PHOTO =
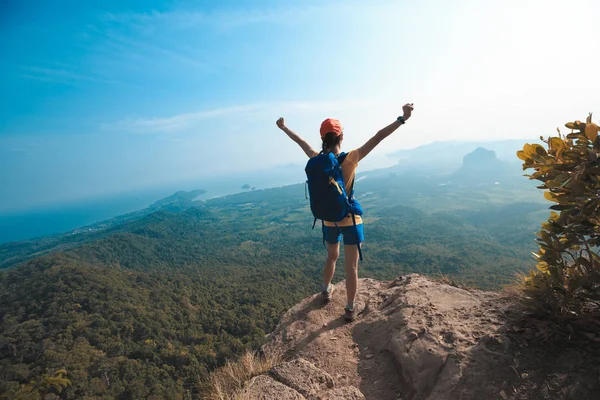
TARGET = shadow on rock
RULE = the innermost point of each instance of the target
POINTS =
(521, 363)
(381, 375)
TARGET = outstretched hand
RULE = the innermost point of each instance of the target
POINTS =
(407, 109)
(280, 123)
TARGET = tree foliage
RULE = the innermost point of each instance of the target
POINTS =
(567, 279)
(148, 308)
(38, 389)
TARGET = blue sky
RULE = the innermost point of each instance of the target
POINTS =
(105, 97)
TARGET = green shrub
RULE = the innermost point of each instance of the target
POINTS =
(567, 279)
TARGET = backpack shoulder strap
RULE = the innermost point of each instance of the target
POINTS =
(341, 159)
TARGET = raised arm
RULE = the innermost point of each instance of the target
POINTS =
(385, 132)
(301, 142)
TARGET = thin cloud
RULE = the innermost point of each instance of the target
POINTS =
(227, 20)
(174, 123)
(60, 75)
(189, 19)
(132, 46)
(164, 37)
(180, 122)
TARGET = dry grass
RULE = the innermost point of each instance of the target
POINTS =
(227, 382)
(515, 289)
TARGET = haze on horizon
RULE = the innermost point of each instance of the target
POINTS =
(104, 97)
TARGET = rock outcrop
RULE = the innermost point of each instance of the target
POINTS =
(482, 166)
(417, 339)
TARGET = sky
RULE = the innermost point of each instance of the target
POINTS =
(102, 97)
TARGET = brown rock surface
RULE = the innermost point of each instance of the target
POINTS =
(304, 377)
(345, 393)
(420, 339)
(264, 387)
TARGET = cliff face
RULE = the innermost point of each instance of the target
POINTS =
(420, 339)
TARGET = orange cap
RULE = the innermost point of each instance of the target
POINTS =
(331, 125)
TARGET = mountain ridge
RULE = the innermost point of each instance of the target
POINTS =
(171, 294)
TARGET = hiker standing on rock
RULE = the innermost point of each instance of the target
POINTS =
(330, 181)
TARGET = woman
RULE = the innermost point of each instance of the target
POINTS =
(332, 137)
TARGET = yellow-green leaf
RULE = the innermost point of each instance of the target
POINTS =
(547, 226)
(544, 236)
(542, 267)
(535, 148)
(573, 125)
(551, 196)
(540, 150)
(573, 135)
(557, 143)
(591, 131)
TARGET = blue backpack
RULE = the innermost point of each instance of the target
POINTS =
(329, 200)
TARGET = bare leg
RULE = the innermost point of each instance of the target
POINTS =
(333, 252)
(351, 264)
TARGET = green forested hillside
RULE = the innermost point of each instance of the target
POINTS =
(145, 310)
(15, 253)
(131, 334)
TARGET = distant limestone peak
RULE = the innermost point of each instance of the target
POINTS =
(482, 165)
(480, 156)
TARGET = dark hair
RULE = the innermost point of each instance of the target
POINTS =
(330, 140)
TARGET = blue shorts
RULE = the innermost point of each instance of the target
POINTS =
(352, 234)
